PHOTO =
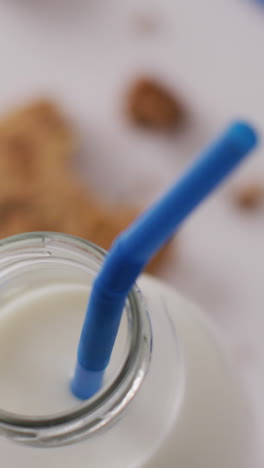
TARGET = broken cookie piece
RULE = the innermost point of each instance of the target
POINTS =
(150, 104)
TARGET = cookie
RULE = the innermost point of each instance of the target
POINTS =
(150, 104)
(39, 190)
(36, 143)
(21, 221)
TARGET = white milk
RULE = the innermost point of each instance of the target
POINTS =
(201, 425)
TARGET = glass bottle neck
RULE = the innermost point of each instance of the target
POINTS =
(30, 267)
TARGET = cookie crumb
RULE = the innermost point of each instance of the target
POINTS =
(146, 24)
(250, 196)
(150, 104)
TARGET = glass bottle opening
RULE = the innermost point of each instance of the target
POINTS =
(31, 261)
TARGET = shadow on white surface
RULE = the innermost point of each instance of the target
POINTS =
(204, 285)
(69, 5)
(59, 10)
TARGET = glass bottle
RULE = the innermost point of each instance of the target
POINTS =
(169, 398)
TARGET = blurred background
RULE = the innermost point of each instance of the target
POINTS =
(103, 103)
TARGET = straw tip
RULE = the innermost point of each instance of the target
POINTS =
(86, 383)
(244, 135)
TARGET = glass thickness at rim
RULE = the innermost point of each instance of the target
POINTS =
(103, 409)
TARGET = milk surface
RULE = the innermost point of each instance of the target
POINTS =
(37, 352)
(204, 427)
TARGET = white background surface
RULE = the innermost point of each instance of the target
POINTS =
(85, 53)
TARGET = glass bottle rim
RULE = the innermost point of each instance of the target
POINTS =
(106, 407)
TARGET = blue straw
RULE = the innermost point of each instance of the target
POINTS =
(136, 245)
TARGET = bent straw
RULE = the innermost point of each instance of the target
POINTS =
(139, 242)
